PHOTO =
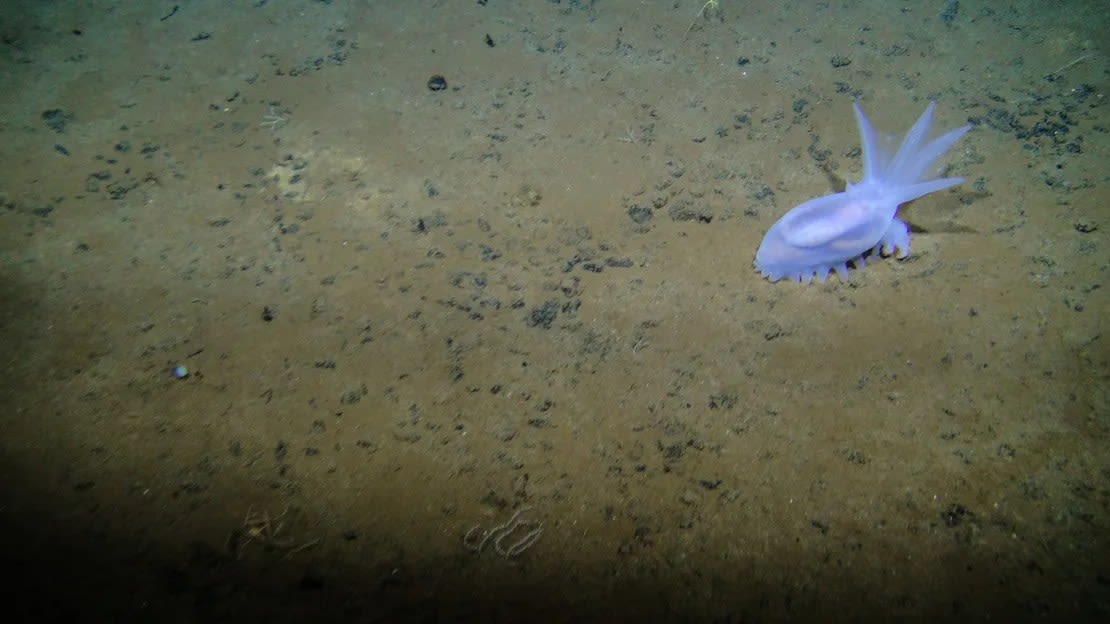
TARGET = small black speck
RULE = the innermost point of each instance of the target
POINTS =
(269, 313)
(437, 83)
(489, 40)
(954, 515)
(56, 119)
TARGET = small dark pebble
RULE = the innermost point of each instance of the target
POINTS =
(437, 83)
(951, 9)
(118, 190)
(686, 211)
(722, 401)
(954, 515)
(269, 313)
(544, 315)
(61, 149)
(55, 119)
(640, 214)
(353, 396)
(763, 192)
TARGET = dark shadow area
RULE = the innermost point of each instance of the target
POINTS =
(63, 573)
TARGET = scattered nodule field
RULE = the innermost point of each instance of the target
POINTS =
(351, 311)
